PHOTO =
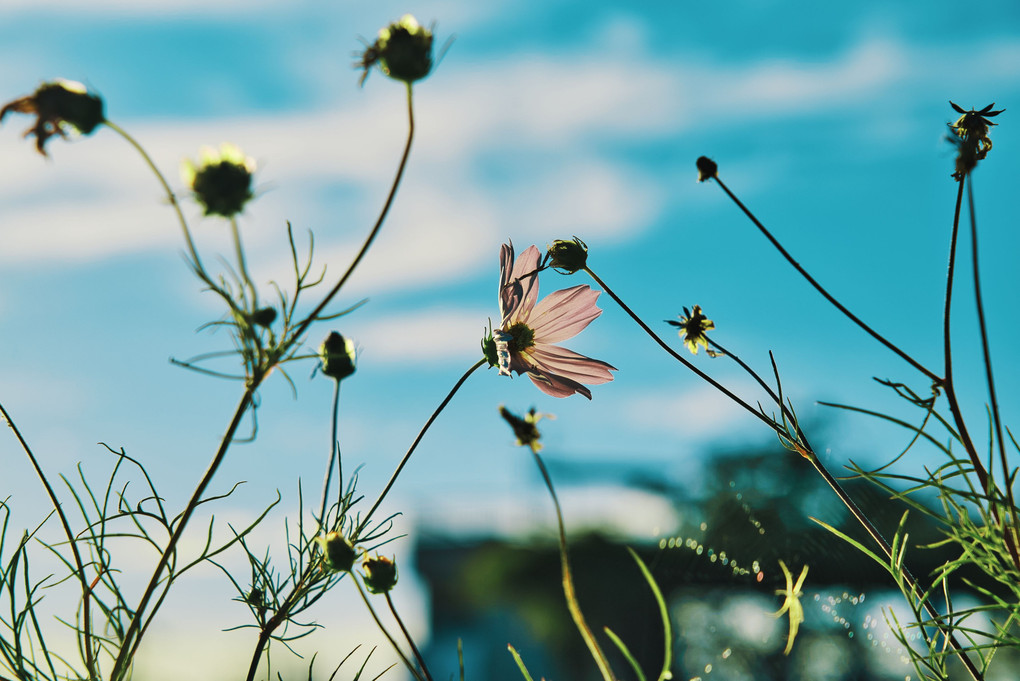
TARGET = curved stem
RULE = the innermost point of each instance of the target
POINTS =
(278, 618)
(407, 635)
(375, 229)
(403, 462)
(948, 383)
(86, 588)
(683, 360)
(334, 455)
(400, 653)
(193, 252)
(818, 287)
(568, 582)
(132, 637)
(1010, 530)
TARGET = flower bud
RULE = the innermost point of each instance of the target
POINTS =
(567, 257)
(707, 168)
(338, 356)
(337, 551)
(403, 51)
(264, 316)
(221, 180)
(59, 106)
(380, 574)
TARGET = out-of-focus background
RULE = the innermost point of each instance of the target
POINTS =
(543, 120)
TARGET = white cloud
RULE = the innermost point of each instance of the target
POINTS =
(439, 333)
(700, 413)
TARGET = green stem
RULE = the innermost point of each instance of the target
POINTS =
(334, 455)
(132, 637)
(242, 265)
(193, 252)
(403, 462)
(86, 588)
(818, 287)
(568, 582)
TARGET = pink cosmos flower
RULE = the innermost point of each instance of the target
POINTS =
(527, 333)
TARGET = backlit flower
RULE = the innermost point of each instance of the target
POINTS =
(60, 106)
(525, 340)
(693, 326)
(403, 51)
(221, 179)
(526, 427)
(971, 136)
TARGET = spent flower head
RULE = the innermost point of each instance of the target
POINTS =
(221, 180)
(567, 257)
(60, 106)
(403, 51)
(380, 574)
(337, 551)
(526, 428)
(337, 356)
(525, 340)
(693, 326)
(970, 132)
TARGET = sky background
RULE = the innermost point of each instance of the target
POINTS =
(544, 120)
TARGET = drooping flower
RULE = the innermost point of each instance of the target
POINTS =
(525, 428)
(403, 51)
(707, 168)
(60, 106)
(221, 179)
(693, 326)
(525, 341)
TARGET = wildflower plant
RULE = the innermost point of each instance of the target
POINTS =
(336, 543)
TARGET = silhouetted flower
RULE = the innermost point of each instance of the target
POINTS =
(792, 604)
(60, 106)
(524, 342)
(693, 326)
(526, 428)
(403, 51)
(707, 168)
(337, 356)
(337, 551)
(568, 257)
(221, 180)
(380, 574)
(971, 137)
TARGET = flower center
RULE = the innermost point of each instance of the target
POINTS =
(522, 337)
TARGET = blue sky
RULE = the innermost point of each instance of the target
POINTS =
(544, 120)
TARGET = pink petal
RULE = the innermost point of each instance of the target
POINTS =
(564, 314)
(557, 386)
(526, 264)
(552, 359)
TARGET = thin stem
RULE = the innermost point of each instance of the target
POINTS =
(334, 455)
(195, 260)
(818, 287)
(242, 264)
(403, 462)
(680, 358)
(278, 618)
(371, 610)
(407, 636)
(86, 588)
(948, 383)
(378, 223)
(132, 637)
(1010, 529)
(908, 577)
(568, 582)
